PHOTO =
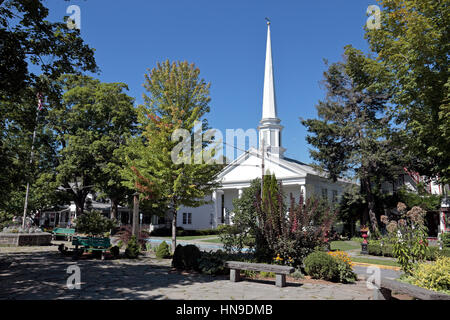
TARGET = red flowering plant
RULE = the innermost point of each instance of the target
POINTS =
(294, 233)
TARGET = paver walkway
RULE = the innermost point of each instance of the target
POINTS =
(41, 273)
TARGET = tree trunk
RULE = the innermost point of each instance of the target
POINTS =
(114, 206)
(370, 213)
(79, 207)
(174, 227)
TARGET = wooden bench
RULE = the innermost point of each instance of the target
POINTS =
(65, 232)
(280, 271)
(91, 243)
(384, 292)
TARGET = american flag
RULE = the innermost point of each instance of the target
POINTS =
(40, 105)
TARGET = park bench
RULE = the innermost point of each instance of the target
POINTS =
(91, 243)
(280, 271)
(64, 232)
(384, 292)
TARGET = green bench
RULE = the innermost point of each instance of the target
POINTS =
(64, 232)
(91, 244)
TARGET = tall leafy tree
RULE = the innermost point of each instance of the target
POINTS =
(413, 44)
(31, 45)
(352, 136)
(92, 125)
(177, 99)
(34, 52)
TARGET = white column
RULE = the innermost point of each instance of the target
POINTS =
(217, 199)
(303, 192)
(240, 192)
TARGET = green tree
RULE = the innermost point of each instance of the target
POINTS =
(31, 45)
(92, 125)
(94, 223)
(352, 136)
(244, 229)
(34, 52)
(177, 99)
(413, 46)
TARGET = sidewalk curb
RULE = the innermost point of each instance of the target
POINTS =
(363, 264)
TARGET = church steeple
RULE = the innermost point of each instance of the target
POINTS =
(270, 128)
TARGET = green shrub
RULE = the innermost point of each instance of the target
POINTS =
(94, 223)
(320, 265)
(132, 251)
(212, 263)
(265, 274)
(249, 273)
(186, 257)
(432, 253)
(163, 251)
(387, 250)
(433, 276)
(346, 274)
(374, 249)
(297, 274)
(115, 251)
(445, 238)
(445, 252)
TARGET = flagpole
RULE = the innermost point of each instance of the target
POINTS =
(31, 162)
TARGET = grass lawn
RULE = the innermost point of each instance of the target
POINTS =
(376, 261)
(213, 240)
(190, 237)
(344, 245)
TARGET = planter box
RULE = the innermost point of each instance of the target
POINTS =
(25, 239)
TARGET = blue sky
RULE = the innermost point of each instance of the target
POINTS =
(226, 40)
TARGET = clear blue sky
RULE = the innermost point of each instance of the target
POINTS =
(226, 40)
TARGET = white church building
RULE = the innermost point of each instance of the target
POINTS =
(296, 177)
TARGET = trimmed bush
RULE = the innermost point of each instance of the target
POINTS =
(114, 251)
(163, 251)
(213, 262)
(387, 250)
(320, 265)
(132, 251)
(374, 249)
(186, 257)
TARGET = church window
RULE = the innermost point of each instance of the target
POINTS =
(325, 193)
(335, 194)
(187, 218)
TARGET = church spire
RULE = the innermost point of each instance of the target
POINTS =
(270, 128)
(269, 101)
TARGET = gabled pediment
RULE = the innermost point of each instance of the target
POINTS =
(248, 167)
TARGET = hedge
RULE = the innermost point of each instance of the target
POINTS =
(375, 249)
